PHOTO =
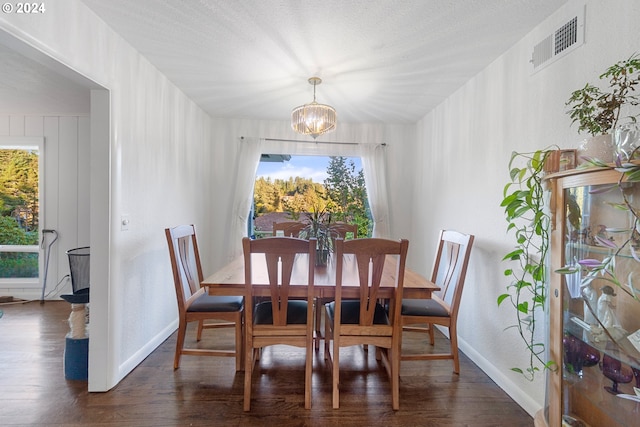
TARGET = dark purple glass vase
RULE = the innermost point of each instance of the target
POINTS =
(636, 374)
(612, 369)
(578, 355)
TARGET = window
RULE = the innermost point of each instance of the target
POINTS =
(21, 167)
(287, 188)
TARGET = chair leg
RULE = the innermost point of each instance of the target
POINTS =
(432, 337)
(394, 356)
(200, 328)
(335, 365)
(239, 344)
(318, 308)
(308, 374)
(327, 338)
(453, 338)
(182, 331)
(248, 370)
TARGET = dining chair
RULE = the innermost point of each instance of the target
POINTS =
(284, 317)
(342, 230)
(449, 272)
(289, 228)
(365, 321)
(338, 230)
(194, 302)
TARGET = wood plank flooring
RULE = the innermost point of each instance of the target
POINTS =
(206, 391)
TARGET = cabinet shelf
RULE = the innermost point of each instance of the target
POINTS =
(582, 213)
(623, 351)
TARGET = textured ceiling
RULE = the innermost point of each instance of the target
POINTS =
(29, 87)
(380, 60)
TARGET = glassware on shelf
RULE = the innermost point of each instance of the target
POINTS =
(578, 355)
(612, 368)
(636, 374)
(626, 138)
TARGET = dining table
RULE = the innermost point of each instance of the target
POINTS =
(230, 280)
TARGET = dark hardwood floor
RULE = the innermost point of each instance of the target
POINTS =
(206, 391)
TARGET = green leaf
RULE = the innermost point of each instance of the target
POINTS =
(502, 298)
(523, 307)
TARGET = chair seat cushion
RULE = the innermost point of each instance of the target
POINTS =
(351, 313)
(216, 303)
(296, 313)
(423, 307)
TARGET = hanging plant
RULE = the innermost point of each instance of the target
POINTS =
(523, 203)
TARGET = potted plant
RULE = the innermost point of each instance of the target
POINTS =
(319, 225)
(598, 112)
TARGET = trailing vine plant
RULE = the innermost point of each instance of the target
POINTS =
(523, 203)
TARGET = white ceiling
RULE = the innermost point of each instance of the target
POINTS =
(30, 87)
(380, 60)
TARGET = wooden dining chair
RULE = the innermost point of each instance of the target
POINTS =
(289, 228)
(284, 317)
(338, 230)
(449, 272)
(365, 321)
(342, 230)
(194, 302)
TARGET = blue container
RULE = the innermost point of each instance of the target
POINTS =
(76, 359)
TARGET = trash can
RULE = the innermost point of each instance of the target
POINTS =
(76, 352)
(79, 262)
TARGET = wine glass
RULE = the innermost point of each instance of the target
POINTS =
(612, 369)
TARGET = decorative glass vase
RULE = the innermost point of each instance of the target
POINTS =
(612, 368)
(578, 355)
(626, 139)
(596, 147)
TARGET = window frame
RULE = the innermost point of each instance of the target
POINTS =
(20, 143)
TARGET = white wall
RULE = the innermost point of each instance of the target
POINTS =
(169, 163)
(462, 152)
(66, 179)
(158, 172)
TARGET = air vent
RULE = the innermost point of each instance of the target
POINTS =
(563, 40)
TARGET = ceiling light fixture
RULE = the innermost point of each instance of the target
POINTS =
(313, 119)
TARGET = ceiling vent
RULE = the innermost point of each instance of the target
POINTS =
(563, 40)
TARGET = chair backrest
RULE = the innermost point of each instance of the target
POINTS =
(340, 229)
(280, 254)
(185, 261)
(289, 228)
(370, 255)
(450, 266)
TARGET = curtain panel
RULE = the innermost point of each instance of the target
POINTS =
(373, 162)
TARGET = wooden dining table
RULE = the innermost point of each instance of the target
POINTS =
(229, 280)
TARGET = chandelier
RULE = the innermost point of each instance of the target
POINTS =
(313, 119)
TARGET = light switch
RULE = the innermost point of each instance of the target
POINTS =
(124, 222)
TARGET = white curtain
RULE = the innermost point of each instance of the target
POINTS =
(242, 195)
(373, 162)
(374, 165)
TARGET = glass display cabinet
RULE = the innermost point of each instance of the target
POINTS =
(594, 310)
